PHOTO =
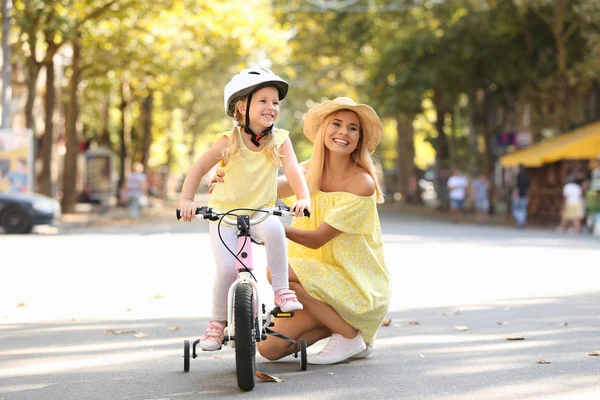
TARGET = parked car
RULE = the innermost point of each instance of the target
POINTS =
(20, 212)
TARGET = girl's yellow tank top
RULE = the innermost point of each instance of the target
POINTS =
(250, 179)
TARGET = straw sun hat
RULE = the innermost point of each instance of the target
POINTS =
(372, 128)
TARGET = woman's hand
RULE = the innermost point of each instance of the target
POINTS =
(216, 178)
(187, 210)
(299, 206)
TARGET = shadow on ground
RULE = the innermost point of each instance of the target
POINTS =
(431, 353)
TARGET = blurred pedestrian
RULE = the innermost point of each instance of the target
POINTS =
(520, 197)
(573, 205)
(481, 196)
(457, 185)
(134, 191)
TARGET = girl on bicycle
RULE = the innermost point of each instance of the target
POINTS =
(250, 154)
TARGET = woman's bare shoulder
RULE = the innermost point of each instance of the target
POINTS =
(361, 184)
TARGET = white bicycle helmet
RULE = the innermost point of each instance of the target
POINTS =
(248, 81)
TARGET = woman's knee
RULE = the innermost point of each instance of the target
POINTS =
(270, 352)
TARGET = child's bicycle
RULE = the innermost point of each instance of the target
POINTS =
(248, 320)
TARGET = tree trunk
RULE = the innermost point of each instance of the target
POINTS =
(405, 163)
(147, 107)
(48, 138)
(70, 166)
(474, 157)
(561, 99)
(33, 68)
(103, 133)
(441, 143)
(125, 134)
(490, 137)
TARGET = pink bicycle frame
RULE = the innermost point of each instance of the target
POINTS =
(244, 253)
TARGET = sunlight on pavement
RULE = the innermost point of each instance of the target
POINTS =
(54, 365)
(92, 347)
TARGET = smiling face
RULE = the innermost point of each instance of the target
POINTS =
(343, 132)
(264, 108)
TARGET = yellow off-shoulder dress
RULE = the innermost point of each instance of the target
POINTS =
(348, 272)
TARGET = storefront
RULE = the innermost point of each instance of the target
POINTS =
(550, 162)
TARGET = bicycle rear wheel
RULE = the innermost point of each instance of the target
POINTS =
(245, 339)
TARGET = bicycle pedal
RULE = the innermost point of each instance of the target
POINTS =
(277, 313)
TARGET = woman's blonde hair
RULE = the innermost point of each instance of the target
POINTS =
(271, 148)
(361, 157)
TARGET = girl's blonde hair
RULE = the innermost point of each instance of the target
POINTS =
(271, 148)
(361, 157)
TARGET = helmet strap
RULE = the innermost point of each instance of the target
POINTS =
(254, 138)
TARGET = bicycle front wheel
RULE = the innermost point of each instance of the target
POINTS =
(245, 338)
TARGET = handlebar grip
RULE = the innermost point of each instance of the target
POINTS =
(287, 208)
(178, 212)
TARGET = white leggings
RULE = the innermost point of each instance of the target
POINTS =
(271, 232)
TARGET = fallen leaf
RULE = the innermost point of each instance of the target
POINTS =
(173, 328)
(386, 322)
(503, 323)
(20, 305)
(594, 353)
(564, 324)
(118, 332)
(158, 296)
(461, 328)
(543, 362)
(515, 338)
(140, 335)
(414, 323)
(267, 378)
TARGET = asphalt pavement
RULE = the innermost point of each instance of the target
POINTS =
(99, 309)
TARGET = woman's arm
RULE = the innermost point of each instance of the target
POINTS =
(312, 239)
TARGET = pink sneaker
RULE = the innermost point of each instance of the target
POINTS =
(338, 349)
(287, 301)
(213, 336)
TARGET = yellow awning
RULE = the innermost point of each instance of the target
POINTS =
(580, 144)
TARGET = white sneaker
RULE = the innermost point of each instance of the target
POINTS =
(365, 353)
(338, 349)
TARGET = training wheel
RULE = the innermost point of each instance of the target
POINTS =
(303, 361)
(186, 355)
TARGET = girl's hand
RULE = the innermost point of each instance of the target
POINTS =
(299, 206)
(187, 210)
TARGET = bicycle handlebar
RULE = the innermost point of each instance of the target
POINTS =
(213, 214)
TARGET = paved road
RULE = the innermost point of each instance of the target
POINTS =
(61, 294)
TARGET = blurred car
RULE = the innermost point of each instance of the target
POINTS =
(20, 212)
